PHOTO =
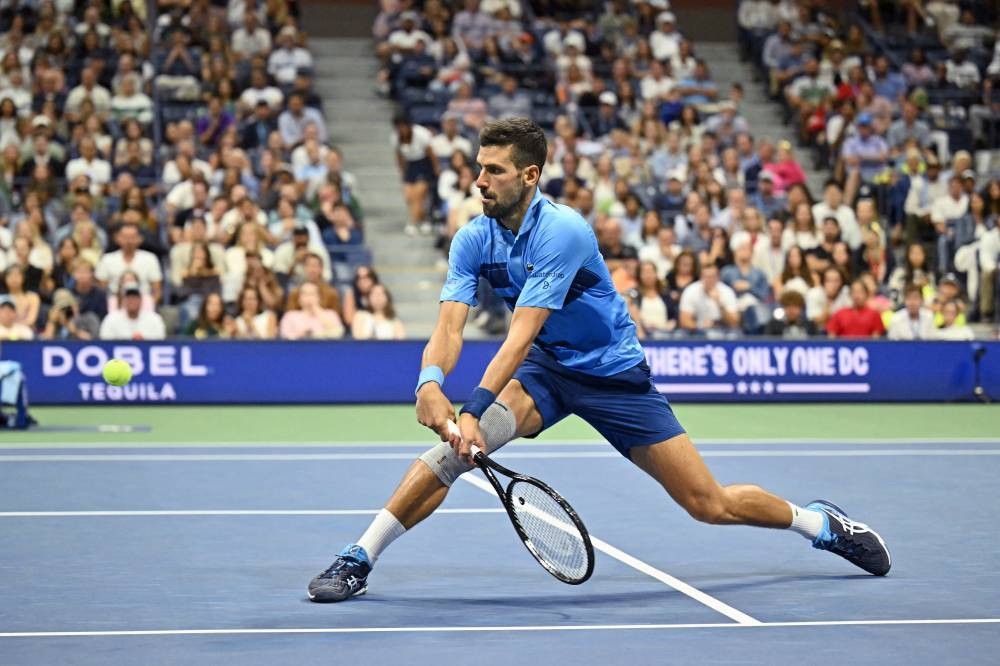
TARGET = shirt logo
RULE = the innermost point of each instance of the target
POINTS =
(530, 267)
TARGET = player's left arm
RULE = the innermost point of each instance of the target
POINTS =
(525, 325)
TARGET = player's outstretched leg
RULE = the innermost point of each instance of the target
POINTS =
(421, 491)
(680, 469)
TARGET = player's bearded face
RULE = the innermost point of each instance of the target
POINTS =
(500, 183)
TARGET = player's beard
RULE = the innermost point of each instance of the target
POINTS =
(501, 208)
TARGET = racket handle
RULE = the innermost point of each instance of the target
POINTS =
(453, 430)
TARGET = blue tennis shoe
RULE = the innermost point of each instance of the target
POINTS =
(855, 542)
(347, 577)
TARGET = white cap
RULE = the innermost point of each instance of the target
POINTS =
(738, 239)
(665, 17)
(659, 4)
(608, 97)
(576, 40)
(676, 174)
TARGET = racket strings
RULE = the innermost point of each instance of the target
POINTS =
(554, 535)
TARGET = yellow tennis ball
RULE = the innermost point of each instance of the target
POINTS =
(117, 372)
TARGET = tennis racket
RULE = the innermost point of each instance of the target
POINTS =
(549, 527)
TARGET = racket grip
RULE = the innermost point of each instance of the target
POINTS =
(453, 428)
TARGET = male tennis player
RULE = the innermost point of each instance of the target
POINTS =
(571, 349)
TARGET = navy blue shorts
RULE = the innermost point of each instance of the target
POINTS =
(625, 408)
(419, 170)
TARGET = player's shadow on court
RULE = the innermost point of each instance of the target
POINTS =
(530, 601)
(714, 585)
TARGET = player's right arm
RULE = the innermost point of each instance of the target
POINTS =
(434, 409)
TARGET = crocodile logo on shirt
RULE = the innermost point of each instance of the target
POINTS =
(530, 267)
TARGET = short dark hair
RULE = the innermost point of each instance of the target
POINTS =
(790, 297)
(523, 134)
(913, 289)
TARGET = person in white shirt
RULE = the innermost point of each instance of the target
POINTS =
(665, 40)
(285, 61)
(130, 258)
(913, 321)
(833, 205)
(945, 211)
(130, 102)
(656, 85)
(989, 281)
(259, 90)
(419, 168)
(768, 252)
(951, 329)
(830, 296)
(708, 303)
(663, 252)
(251, 38)
(131, 321)
(90, 89)
(445, 143)
(10, 328)
(91, 165)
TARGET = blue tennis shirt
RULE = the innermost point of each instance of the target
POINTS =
(553, 262)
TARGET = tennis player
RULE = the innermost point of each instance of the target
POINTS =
(571, 349)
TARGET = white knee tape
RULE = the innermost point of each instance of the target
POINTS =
(497, 426)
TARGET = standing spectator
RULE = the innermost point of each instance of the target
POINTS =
(379, 320)
(859, 320)
(913, 321)
(419, 169)
(311, 320)
(708, 304)
(945, 213)
(130, 258)
(10, 328)
(131, 321)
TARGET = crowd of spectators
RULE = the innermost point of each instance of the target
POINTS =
(708, 228)
(166, 170)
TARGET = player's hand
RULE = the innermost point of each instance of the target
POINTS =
(468, 425)
(434, 410)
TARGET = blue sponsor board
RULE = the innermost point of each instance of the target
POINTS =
(196, 372)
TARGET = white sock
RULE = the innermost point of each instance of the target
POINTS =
(384, 530)
(806, 522)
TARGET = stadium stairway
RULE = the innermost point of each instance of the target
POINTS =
(360, 124)
(764, 116)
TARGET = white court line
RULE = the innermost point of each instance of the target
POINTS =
(750, 441)
(218, 512)
(637, 564)
(513, 628)
(512, 455)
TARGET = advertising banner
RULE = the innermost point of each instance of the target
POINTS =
(203, 372)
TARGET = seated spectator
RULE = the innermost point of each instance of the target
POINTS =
(132, 321)
(293, 120)
(91, 164)
(129, 102)
(249, 239)
(962, 72)
(831, 295)
(356, 297)
(289, 58)
(790, 321)
(379, 320)
(661, 248)
(212, 320)
(263, 279)
(989, 259)
(649, 306)
(89, 295)
(312, 271)
(448, 141)
(252, 321)
(129, 257)
(509, 102)
(916, 72)
(290, 257)
(699, 90)
(67, 253)
(821, 256)
(708, 304)
(261, 90)
(10, 328)
(859, 320)
(865, 155)
(915, 270)
(769, 255)
(785, 169)
(766, 199)
(27, 304)
(343, 230)
(913, 321)
(311, 320)
(808, 93)
(251, 38)
(66, 322)
(802, 231)
(200, 277)
(833, 205)
(88, 90)
(951, 328)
